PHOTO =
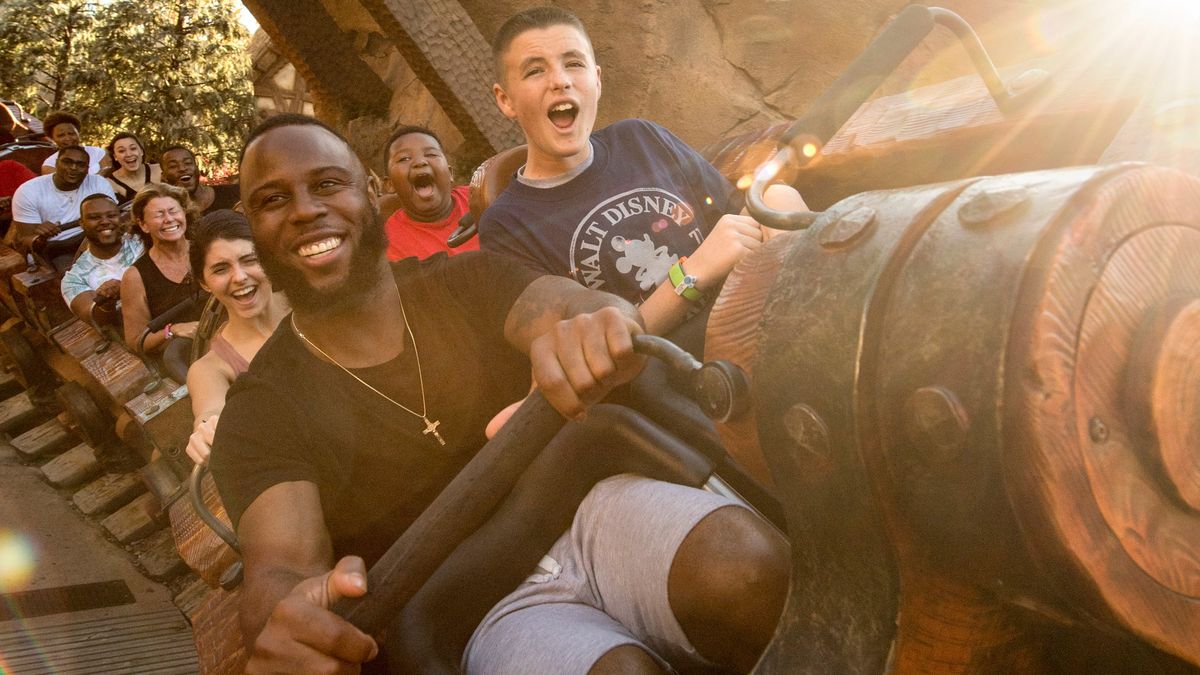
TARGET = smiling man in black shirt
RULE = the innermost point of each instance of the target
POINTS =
(376, 391)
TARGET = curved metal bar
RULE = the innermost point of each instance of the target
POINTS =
(860, 79)
(976, 52)
(670, 353)
(103, 346)
(463, 233)
(757, 205)
(201, 509)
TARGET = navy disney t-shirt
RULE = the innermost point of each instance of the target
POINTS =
(646, 201)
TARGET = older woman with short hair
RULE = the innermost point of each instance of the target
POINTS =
(161, 278)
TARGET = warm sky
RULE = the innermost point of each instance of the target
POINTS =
(247, 19)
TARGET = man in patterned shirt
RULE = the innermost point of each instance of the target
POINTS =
(95, 277)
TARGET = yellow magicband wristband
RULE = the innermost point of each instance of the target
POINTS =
(684, 283)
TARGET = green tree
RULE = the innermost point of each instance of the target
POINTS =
(45, 51)
(171, 71)
(174, 71)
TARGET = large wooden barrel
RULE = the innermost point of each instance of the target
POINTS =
(979, 403)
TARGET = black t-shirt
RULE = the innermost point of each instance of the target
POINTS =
(294, 417)
(225, 196)
(162, 294)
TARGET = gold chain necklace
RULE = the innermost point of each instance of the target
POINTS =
(431, 426)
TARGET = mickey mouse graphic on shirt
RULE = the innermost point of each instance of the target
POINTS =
(628, 242)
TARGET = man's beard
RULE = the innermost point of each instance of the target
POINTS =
(364, 272)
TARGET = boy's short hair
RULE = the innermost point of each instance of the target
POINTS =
(533, 18)
(287, 120)
(56, 118)
(404, 131)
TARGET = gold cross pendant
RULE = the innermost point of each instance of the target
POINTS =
(431, 428)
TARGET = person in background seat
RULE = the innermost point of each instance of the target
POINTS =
(179, 169)
(95, 276)
(63, 129)
(130, 171)
(13, 175)
(419, 175)
(44, 205)
(162, 277)
(623, 209)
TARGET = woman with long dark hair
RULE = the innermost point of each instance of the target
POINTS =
(226, 265)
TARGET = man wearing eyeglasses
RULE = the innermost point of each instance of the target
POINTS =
(46, 208)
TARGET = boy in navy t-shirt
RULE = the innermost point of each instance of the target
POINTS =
(622, 209)
(618, 210)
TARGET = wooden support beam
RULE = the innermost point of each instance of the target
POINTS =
(18, 413)
(447, 52)
(135, 520)
(50, 437)
(9, 386)
(158, 557)
(308, 36)
(108, 493)
(72, 467)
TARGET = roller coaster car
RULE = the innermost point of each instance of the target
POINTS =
(971, 405)
(16, 124)
(975, 401)
(114, 398)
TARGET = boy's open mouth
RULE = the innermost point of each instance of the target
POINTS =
(424, 185)
(563, 115)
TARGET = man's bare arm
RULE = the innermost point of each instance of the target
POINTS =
(551, 299)
(579, 341)
(81, 305)
(289, 585)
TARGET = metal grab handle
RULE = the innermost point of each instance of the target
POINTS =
(201, 509)
(827, 114)
(469, 500)
(463, 233)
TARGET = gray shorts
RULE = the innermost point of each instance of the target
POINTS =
(602, 585)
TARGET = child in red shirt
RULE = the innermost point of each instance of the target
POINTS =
(430, 208)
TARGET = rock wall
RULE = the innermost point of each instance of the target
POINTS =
(706, 68)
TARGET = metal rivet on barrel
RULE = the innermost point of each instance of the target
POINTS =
(1097, 430)
(848, 228)
(989, 204)
(936, 423)
(809, 432)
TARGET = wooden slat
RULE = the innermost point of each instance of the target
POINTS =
(218, 633)
(141, 641)
(121, 373)
(108, 493)
(198, 545)
(77, 339)
(9, 386)
(19, 413)
(732, 335)
(72, 467)
(157, 556)
(192, 597)
(47, 438)
(135, 520)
